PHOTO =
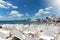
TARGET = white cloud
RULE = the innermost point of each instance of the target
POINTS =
(1, 1)
(15, 13)
(39, 12)
(43, 11)
(10, 5)
(47, 12)
(14, 7)
(27, 14)
(1, 17)
(48, 8)
(4, 4)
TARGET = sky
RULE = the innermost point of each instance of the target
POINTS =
(24, 9)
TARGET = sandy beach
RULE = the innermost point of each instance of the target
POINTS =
(32, 32)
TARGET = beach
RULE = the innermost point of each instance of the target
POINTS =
(30, 32)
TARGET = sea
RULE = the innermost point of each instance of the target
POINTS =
(9, 22)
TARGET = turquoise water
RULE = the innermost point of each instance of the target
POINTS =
(21, 22)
